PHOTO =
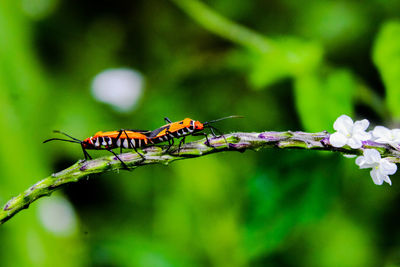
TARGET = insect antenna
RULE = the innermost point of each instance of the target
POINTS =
(56, 131)
(212, 128)
(66, 140)
(74, 140)
(224, 118)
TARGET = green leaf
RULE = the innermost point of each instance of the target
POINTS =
(294, 57)
(386, 56)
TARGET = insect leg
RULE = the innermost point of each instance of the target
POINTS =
(180, 144)
(219, 132)
(167, 120)
(206, 136)
(85, 153)
(170, 141)
(117, 138)
(123, 163)
(143, 158)
(212, 131)
(129, 141)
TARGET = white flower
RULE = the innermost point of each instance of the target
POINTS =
(57, 216)
(121, 88)
(384, 135)
(349, 133)
(381, 168)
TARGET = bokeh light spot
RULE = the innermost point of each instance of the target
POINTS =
(57, 216)
(121, 88)
(38, 9)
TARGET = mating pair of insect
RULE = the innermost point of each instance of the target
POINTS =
(133, 139)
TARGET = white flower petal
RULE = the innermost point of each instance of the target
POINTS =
(350, 156)
(360, 161)
(360, 125)
(382, 140)
(387, 167)
(362, 136)
(395, 145)
(396, 135)
(382, 134)
(381, 168)
(380, 131)
(376, 177)
(354, 143)
(386, 179)
(372, 156)
(395, 142)
(337, 139)
(343, 124)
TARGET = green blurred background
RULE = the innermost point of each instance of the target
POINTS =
(282, 64)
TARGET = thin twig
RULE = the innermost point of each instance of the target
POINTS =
(224, 27)
(156, 155)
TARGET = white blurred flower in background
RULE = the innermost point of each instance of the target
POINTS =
(121, 88)
(57, 216)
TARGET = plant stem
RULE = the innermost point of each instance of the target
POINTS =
(156, 155)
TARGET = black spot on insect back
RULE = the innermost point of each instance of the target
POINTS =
(114, 142)
(100, 139)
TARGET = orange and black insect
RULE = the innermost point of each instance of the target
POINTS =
(130, 139)
(183, 128)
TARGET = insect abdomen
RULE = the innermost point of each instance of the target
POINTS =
(168, 134)
(111, 143)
